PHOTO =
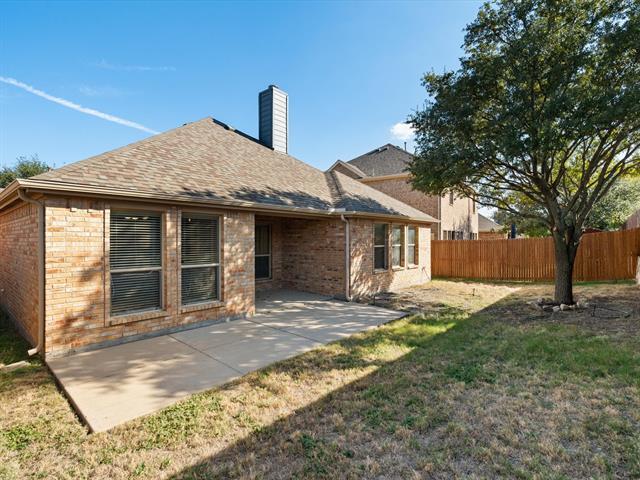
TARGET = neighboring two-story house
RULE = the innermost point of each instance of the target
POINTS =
(385, 170)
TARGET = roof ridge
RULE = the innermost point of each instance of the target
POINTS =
(335, 190)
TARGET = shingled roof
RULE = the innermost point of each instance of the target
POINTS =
(208, 161)
(385, 160)
(485, 224)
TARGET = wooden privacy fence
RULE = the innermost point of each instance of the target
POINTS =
(601, 256)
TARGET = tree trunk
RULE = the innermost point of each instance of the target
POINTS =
(565, 259)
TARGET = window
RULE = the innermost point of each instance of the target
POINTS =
(412, 246)
(451, 198)
(263, 251)
(380, 246)
(473, 205)
(397, 246)
(453, 235)
(135, 258)
(200, 252)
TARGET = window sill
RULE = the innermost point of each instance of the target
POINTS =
(264, 280)
(201, 306)
(412, 267)
(135, 317)
(380, 270)
(397, 269)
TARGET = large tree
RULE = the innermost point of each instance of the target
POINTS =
(616, 206)
(546, 105)
(24, 168)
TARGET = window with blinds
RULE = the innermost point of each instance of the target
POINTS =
(380, 239)
(135, 257)
(412, 246)
(200, 251)
(263, 251)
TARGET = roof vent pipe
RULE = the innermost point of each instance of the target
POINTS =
(273, 119)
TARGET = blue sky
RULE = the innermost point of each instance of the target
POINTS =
(352, 70)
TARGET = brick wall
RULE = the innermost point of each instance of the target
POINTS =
(400, 189)
(308, 255)
(459, 216)
(77, 276)
(19, 268)
(365, 281)
(313, 259)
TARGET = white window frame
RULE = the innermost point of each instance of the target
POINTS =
(401, 245)
(384, 246)
(414, 246)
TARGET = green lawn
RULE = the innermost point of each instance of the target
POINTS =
(481, 384)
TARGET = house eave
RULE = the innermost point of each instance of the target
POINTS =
(395, 176)
(66, 189)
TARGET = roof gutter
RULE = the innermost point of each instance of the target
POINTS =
(8, 195)
(379, 178)
(70, 189)
(41, 308)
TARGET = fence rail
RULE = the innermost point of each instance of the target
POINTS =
(601, 256)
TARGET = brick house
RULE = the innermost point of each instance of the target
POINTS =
(385, 170)
(182, 228)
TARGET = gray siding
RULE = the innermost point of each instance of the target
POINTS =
(274, 118)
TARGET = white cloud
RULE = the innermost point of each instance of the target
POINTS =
(106, 91)
(132, 68)
(75, 106)
(402, 131)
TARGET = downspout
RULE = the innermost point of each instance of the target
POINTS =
(347, 259)
(40, 347)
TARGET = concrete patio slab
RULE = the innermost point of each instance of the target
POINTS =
(116, 384)
(318, 318)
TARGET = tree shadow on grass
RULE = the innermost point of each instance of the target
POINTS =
(13, 347)
(349, 432)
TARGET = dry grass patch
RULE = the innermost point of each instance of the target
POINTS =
(478, 385)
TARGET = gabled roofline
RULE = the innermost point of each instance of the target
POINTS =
(495, 225)
(60, 188)
(353, 168)
(380, 149)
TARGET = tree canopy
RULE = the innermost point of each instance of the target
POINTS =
(24, 168)
(545, 106)
(613, 210)
(608, 213)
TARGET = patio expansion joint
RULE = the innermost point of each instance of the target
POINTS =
(205, 354)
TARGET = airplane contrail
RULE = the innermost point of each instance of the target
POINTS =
(75, 106)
